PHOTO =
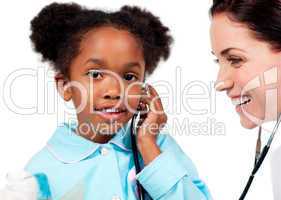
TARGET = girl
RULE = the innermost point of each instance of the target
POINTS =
(245, 38)
(101, 59)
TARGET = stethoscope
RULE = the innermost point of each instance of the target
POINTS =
(141, 191)
(136, 120)
(260, 156)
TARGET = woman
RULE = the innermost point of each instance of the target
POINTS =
(246, 39)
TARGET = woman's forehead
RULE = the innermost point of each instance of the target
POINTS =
(225, 33)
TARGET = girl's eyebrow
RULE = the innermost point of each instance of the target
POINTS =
(132, 64)
(101, 62)
(95, 61)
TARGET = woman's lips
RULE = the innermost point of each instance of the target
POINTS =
(240, 102)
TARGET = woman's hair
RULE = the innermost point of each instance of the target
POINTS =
(58, 30)
(263, 17)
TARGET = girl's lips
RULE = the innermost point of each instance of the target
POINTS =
(110, 112)
(111, 115)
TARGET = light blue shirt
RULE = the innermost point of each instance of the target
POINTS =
(78, 169)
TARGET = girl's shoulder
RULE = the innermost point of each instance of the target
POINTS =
(172, 150)
(39, 161)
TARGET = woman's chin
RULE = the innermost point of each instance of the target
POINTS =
(250, 119)
(247, 123)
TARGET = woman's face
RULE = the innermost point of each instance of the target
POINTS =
(104, 74)
(249, 71)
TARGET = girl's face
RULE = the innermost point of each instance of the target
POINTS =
(249, 71)
(106, 75)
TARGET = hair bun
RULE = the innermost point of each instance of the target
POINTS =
(49, 28)
(154, 33)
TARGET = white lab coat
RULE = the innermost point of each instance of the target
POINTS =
(276, 173)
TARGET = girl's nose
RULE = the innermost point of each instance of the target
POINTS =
(112, 89)
(112, 95)
(224, 80)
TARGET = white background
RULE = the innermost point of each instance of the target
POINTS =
(223, 161)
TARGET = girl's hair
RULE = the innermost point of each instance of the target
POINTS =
(59, 28)
(263, 17)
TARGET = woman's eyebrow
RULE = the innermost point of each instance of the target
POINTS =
(226, 51)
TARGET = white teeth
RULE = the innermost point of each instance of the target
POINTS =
(241, 101)
(235, 102)
(109, 110)
(245, 99)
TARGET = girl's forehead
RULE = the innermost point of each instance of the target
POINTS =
(111, 42)
(108, 35)
(109, 46)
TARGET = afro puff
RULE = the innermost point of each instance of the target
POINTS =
(57, 31)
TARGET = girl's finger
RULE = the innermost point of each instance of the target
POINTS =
(153, 100)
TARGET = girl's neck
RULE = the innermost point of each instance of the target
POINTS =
(93, 136)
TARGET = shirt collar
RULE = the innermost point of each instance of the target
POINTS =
(68, 147)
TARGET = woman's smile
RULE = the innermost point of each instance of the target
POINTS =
(241, 101)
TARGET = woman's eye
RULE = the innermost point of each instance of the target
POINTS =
(234, 61)
(130, 77)
(94, 74)
(216, 61)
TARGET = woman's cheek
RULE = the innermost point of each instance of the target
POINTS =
(254, 113)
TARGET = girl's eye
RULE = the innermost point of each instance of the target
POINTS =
(96, 74)
(216, 61)
(130, 77)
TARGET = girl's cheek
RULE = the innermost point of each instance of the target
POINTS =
(132, 104)
(132, 98)
(76, 98)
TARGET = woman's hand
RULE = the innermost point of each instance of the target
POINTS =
(153, 122)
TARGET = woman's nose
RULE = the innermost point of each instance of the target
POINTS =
(224, 80)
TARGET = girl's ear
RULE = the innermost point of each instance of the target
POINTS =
(63, 86)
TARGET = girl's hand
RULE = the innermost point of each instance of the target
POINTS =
(154, 121)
